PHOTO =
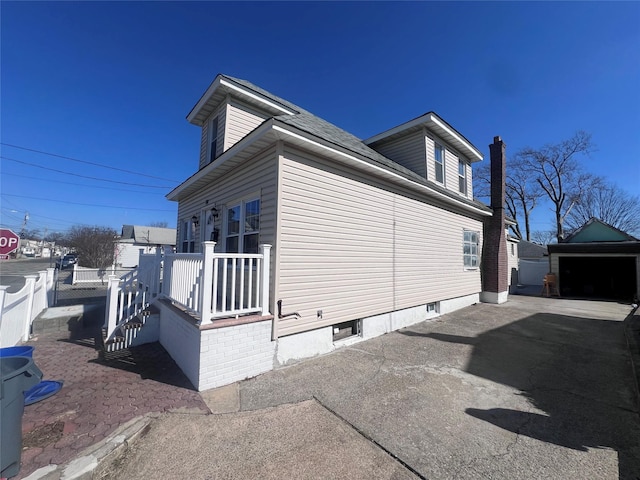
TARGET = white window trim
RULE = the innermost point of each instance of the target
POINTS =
(241, 202)
(477, 254)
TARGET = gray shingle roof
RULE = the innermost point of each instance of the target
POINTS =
(329, 132)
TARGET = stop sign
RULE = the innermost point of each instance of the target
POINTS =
(9, 241)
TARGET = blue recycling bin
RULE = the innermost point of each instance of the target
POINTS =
(19, 351)
(17, 375)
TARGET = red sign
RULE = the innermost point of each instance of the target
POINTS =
(9, 241)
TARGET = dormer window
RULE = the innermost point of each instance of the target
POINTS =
(439, 158)
(213, 138)
(462, 177)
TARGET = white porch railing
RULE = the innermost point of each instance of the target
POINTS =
(215, 285)
(19, 309)
(208, 285)
(129, 295)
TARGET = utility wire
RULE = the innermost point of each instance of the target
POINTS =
(80, 184)
(86, 204)
(81, 176)
(86, 162)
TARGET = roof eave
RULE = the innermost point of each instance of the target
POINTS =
(184, 189)
(240, 91)
(432, 121)
(355, 159)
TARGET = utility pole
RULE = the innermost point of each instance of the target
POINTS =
(24, 224)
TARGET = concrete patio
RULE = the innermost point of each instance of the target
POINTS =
(535, 388)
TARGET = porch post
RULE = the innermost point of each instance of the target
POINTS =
(206, 283)
(31, 286)
(111, 309)
(265, 251)
(157, 269)
(73, 278)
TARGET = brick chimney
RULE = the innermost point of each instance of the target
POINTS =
(494, 249)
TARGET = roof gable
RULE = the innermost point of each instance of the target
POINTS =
(595, 230)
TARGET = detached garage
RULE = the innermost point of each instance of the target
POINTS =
(597, 261)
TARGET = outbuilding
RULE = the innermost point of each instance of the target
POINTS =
(597, 261)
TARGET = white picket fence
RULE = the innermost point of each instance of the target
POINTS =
(19, 309)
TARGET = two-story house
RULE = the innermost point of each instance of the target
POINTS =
(367, 236)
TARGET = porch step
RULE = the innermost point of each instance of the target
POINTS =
(125, 334)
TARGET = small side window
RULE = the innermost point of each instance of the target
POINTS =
(470, 249)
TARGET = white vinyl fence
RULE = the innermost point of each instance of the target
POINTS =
(18, 310)
(96, 275)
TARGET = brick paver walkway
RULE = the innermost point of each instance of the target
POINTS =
(98, 394)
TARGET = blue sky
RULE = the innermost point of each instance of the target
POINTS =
(111, 83)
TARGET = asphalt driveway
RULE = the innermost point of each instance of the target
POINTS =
(535, 388)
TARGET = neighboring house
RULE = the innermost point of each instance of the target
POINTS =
(533, 263)
(136, 239)
(532, 251)
(363, 236)
(597, 260)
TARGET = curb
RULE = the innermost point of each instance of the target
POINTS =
(93, 461)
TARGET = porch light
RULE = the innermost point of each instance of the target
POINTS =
(195, 220)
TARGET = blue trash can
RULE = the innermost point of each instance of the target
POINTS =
(20, 351)
(17, 374)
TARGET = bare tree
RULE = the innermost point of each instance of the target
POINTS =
(543, 237)
(556, 169)
(522, 192)
(608, 203)
(94, 245)
(159, 224)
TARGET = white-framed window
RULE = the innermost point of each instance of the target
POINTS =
(188, 236)
(470, 243)
(462, 177)
(243, 227)
(439, 162)
(213, 138)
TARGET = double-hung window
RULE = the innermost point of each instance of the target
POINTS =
(470, 249)
(439, 163)
(243, 227)
(213, 138)
(462, 177)
(188, 236)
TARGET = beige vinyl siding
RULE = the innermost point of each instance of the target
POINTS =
(430, 145)
(240, 121)
(408, 151)
(451, 170)
(222, 128)
(258, 175)
(204, 145)
(354, 248)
